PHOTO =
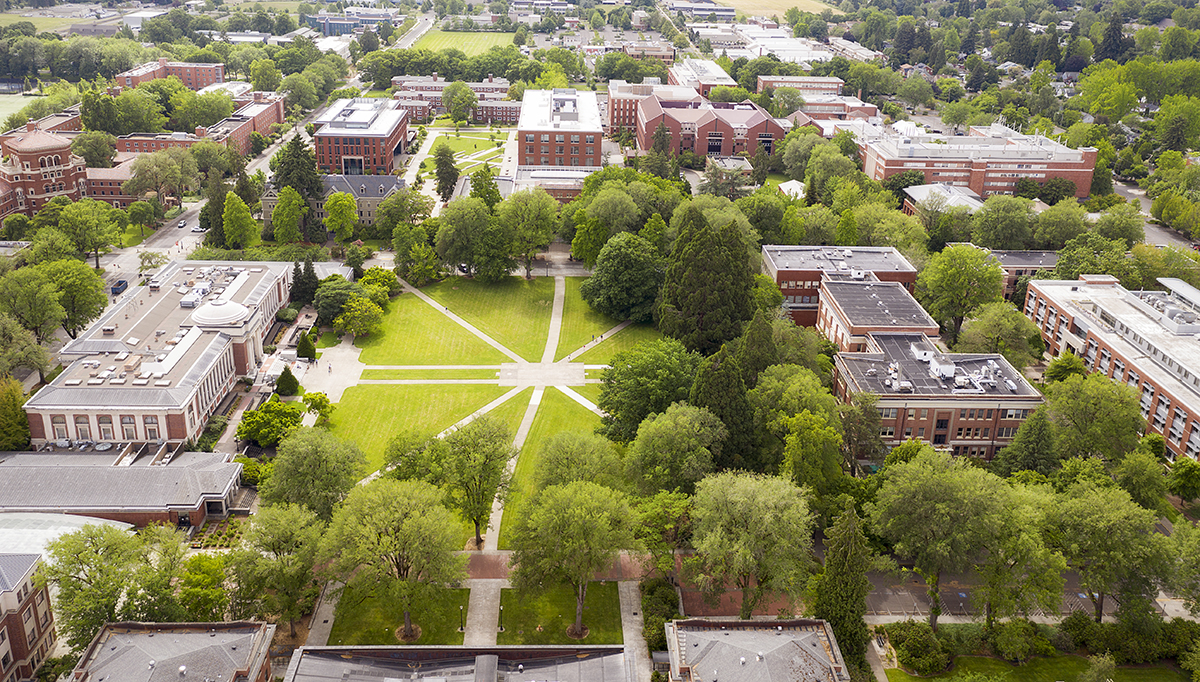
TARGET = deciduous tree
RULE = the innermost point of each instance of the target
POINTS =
(643, 380)
(285, 217)
(771, 554)
(568, 534)
(957, 281)
(267, 424)
(578, 456)
(532, 215)
(89, 570)
(279, 549)
(395, 539)
(19, 348)
(1000, 328)
(96, 147)
(675, 450)
(1094, 416)
(28, 296)
(82, 293)
(14, 425)
(1033, 448)
(341, 214)
(313, 469)
(625, 280)
(237, 222)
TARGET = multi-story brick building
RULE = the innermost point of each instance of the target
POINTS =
(969, 403)
(37, 167)
(194, 76)
(851, 308)
(840, 107)
(560, 127)
(807, 85)
(66, 120)
(435, 84)
(360, 136)
(233, 651)
(262, 112)
(418, 110)
(157, 363)
(799, 270)
(1019, 263)
(623, 99)
(104, 184)
(368, 193)
(990, 159)
(1144, 339)
(710, 128)
(27, 633)
(702, 75)
(663, 52)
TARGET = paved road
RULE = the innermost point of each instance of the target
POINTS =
(424, 23)
(1155, 234)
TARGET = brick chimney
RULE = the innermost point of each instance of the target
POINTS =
(489, 78)
(162, 61)
(435, 76)
(201, 131)
(31, 126)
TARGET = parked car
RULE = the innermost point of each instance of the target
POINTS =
(182, 223)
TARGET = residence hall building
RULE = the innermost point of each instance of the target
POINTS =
(126, 482)
(560, 127)
(368, 193)
(710, 128)
(799, 270)
(155, 366)
(807, 85)
(623, 98)
(237, 651)
(852, 307)
(663, 52)
(360, 136)
(989, 159)
(37, 167)
(969, 403)
(27, 633)
(700, 650)
(260, 111)
(701, 75)
(194, 76)
(1145, 339)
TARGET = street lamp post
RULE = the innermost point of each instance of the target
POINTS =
(460, 619)
(501, 619)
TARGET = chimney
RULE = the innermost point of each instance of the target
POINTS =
(162, 61)
(489, 78)
(435, 76)
(201, 131)
(31, 126)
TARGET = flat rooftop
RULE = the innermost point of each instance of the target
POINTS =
(702, 70)
(1156, 329)
(836, 258)
(156, 341)
(367, 116)
(954, 195)
(509, 663)
(910, 364)
(565, 109)
(877, 304)
(127, 477)
(32, 531)
(1037, 260)
(130, 652)
(994, 141)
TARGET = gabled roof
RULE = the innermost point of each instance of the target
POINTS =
(14, 568)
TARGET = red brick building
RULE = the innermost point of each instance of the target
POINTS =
(560, 127)
(990, 160)
(104, 184)
(256, 117)
(623, 100)
(37, 167)
(663, 52)
(807, 85)
(27, 633)
(851, 308)
(194, 76)
(799, 270)
(709, 128)
(360, 136)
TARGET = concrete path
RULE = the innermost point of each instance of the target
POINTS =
(337, 369)
(595, 342)
(556, 317)
(483, 612)
(322, 619)
(570, 393)
(492, 541)
(631, 628)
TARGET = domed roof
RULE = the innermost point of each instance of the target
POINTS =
(219, 312)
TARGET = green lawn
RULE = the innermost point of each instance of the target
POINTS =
(132, 236)
(516, 312)
(328, 340)
(414, 333)
(555, 414)
(372, 415)
(512, 411)
(11, 104)
(553, 610)
(580, 323)
(472, 43)
(1043, 670)
(589, 391)
(40, 23)
(623, 340)
(376, 93)
(773, 179)
(374, 620)
(412, 374)
(465, 144)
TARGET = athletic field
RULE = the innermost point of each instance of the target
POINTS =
(472, 43)
(773, 7)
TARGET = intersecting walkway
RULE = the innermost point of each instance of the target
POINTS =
(339, 368)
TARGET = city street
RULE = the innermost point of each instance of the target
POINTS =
(1155, 234)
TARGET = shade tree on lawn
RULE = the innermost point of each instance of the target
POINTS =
(644, 380)
(313, 469)
(578, 456)
(567, 535)
(278, 551)
(626, 279)
(675, 450)
(394, 539)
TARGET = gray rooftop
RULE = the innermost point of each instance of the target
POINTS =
(371, 664)
(565, 109)
(14, 568)
(780, 651)
(365, 116)
(31, 531)
(835, 258)
(92, 482)
(1038, 260)
(876, 304)
(361, 186)
(910, 364)
(133, 652)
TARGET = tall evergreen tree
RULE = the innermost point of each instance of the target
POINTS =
(847, 229)
(840, 591)
(756, 350)
(1020, 47)
(968, 42)
(661, 140)
(1033, 448)
(297, 169)
(304, 287)
(706, 294)
(445, 170)
(719, 387)
(212, 215)
(14, 425)
(1113, 45)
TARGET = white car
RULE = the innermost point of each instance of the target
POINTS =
(199, 229)
(182, 224)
